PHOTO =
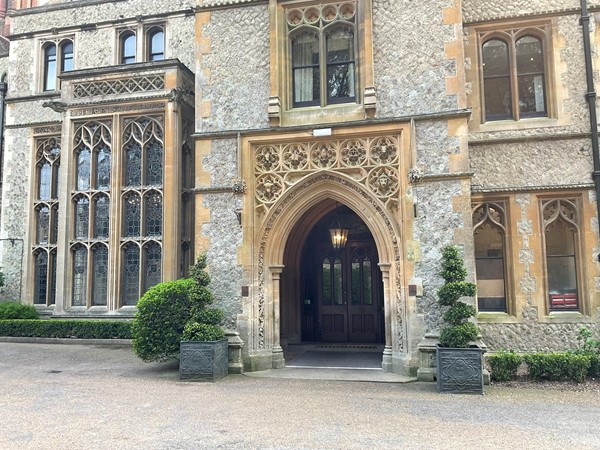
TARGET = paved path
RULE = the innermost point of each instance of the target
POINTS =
(85, 397)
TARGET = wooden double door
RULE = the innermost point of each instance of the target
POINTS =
(348, 293)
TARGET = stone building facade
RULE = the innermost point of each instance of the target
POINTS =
(139, 135)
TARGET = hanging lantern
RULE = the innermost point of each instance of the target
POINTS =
(339, 236)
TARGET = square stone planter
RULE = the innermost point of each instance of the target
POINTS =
(460, 370)
(203, 361)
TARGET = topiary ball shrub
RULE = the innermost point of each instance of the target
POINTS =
(162, 313)
(16, 310)
(164, 310)
(460, 331)
(195, 331)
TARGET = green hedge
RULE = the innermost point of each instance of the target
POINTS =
(16, 310)
(558, 366)
(504, 365)
(82, 329)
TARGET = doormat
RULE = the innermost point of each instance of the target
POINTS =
(363, 347)
(337, 360)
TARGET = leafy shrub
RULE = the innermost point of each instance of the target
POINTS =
(460, 332)
(16, 310)
(165, 309)
(558, 366)
(162, 313)
(195, 331)
(58, 328)
(210, 316)
(504, 365)
(590, 347)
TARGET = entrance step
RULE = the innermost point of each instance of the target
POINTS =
(373, 375)
(335, 360)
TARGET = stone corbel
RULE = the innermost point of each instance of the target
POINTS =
(370, 100)
(239, 186)
(56, 106)
(274, 110)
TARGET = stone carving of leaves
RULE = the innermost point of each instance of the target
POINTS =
(268, 188)
(323, 155)
(354, 153)
(383, 181)
(384, 151)
(267, 158)
(295, 157)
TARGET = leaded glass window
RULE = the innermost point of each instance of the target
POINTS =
(82, 216)
(103, 169)
(91, 211)
(132, 215)
(101, 216)
(131, 274)
(80, 265)
(153, 214)
(100, 275)
(142, 221)
(41, 278)
(153, 265)
(45, 214)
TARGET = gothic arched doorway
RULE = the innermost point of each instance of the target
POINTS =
(329, 294)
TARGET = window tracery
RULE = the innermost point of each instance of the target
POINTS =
(45, 207)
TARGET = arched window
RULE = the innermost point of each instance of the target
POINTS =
(50, 67)
(514, 74)
(496, 80)
(46, 220)
(58, 58)
(66, 56)
(530, 73)
(323, 54)
(156, 44)
(340, 60)
(305, 69)
(561, 235)
(489, 230)
(127, 47)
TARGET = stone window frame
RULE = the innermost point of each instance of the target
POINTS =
(509, 286)
(281, 109)
(142, 33)
(582, 296)
(543, 29)
(59, 42)
(49, 246)
(116, 241)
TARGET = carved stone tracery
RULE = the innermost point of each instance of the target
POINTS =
(119, 86)
(372, 162)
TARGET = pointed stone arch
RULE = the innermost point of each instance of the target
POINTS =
(272, 236)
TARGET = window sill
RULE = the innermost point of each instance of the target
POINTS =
(496, 317)
(512, 125)
(566, 317)
(316, 115)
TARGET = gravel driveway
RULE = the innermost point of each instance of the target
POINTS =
(85, 397)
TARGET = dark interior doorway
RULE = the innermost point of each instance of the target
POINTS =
(342, 290)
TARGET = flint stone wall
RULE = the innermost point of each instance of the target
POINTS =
(15, 209)
(409, 58)
(103, 12)
(434, 201)
(478, 10)
(532, 163)
(531, 335)
(235, 74)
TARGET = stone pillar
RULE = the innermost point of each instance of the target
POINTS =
(278, 359)
(387, 364)
(236, 363)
